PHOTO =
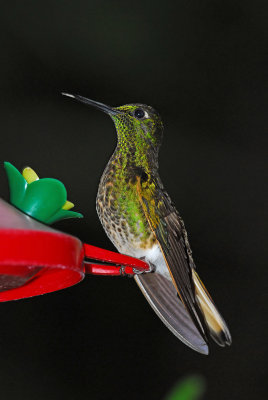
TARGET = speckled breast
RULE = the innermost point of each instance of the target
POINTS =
(122, 216)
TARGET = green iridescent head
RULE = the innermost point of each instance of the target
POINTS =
(139, 127)
(139, 123)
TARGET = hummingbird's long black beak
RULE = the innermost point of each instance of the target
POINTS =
(100, 106)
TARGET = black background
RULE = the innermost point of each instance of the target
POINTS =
(202, 65)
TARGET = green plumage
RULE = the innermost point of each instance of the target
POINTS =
(134, 159)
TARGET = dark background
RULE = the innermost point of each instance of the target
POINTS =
(202, 65)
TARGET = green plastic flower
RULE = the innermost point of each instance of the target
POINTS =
(43, 199)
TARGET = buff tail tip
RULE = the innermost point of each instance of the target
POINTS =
(216, 325)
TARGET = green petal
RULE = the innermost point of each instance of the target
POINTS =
(64, 214)
(190, 388)
(17, 184)
(44, 198)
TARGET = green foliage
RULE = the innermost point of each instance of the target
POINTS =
(190, 388)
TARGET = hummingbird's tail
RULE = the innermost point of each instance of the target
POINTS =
(162, 296)
(216, 325)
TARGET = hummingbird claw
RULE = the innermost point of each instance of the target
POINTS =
(151, 265)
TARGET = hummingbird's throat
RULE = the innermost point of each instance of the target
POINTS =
(131, 156)
(134, 147)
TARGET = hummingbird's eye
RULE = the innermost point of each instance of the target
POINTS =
(139, 113)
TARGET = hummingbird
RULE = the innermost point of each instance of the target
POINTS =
(140, 219)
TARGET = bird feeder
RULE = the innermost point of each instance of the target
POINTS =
(36, 259)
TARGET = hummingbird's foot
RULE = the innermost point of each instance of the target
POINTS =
(124, 273)
(136, 271)
(151, 265)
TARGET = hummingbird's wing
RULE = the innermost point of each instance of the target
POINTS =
(171, 235)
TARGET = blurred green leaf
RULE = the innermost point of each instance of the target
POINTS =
(190, 388)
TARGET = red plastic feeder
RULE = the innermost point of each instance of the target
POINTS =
(36, 259)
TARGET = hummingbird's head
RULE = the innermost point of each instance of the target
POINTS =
(139, 127)
(139, 124)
